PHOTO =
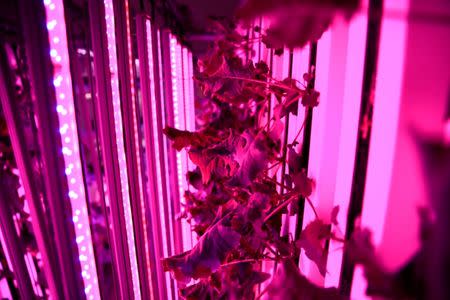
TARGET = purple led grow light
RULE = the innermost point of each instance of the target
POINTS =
(70, 145)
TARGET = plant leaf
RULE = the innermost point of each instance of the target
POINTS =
(206, 256)
(289, 284)
(312, 241)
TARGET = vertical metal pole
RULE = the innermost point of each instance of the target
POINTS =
(364, 130)
(104, 107)
(24, 164)
(285, 228)
(306, 142)
(37, 49)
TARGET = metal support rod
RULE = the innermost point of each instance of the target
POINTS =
(12, 241)
(32, 15)
(104, 110)
(363, 142)
(306, 142)
(24, 164)
(285, 229)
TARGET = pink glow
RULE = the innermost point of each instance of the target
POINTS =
(110, 32)
(319, 152)
(157, 140)
(166, 243)
(347, 136)
(190, 83)
(384, 129)
(189, 117)
(69, 136)
(4, 288)
(137, 142)
(179, 123)
(152, 101)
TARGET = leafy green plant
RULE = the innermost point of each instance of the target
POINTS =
(236, 203)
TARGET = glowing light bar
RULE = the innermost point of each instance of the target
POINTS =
(321, 171)
(166, 242)
(157, 139)
(111, 37)
(70, 144)
(179, 123)
(153, 97)
(190, 83)
(351, 101)
(388, 97)
(186, 90)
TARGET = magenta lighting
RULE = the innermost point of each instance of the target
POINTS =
(156, 140)
(162, 207)
(179, 123)
(191, 95)
(70, 145)
(111, 37)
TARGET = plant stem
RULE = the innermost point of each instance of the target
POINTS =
(279, 184)
(262, 293)
(280, 207)
(312, 207)
(293, 100)
(274, 165)
(236, 262)
(218, 222)
(299, 131)
(279, 85)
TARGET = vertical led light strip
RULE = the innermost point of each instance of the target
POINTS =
(190, 82)
(137, 141)
(191, 118)
(184, 110)
(70, 145)
(111, 37)
(178, 113)
(166, 152)
(156, 143)
(388, 96)
(357, 30)
(152, 91)
(317, 151)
